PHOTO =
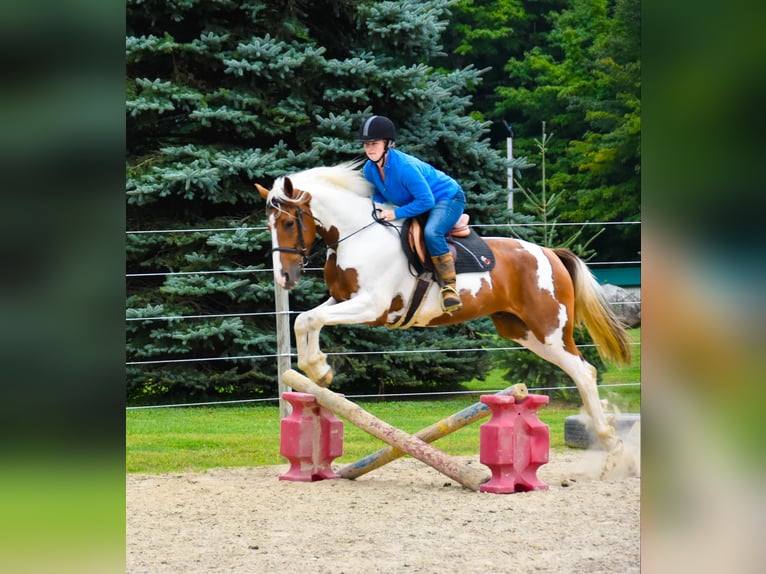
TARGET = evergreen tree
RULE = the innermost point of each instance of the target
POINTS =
(584, 81)
(222, 94)
(524, 365)
(487, 33)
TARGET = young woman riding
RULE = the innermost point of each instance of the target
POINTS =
(415, 187)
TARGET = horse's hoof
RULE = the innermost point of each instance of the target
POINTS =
(326, 379)
(617, 463)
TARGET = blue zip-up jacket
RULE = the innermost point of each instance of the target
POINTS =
(411, 184)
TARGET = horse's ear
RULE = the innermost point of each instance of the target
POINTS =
(262, 190)
(288, 188)
(292, 195)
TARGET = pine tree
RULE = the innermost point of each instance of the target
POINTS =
(487, 33)
(584, 80)
(220, 95)
(525, 365)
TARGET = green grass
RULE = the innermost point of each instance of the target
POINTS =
(627, 398)
(195, 438)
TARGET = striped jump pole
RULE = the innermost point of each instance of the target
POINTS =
(446, 426)
(471, 478)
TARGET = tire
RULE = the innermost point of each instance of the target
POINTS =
(578, 432)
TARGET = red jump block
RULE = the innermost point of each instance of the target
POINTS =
(514, 444)
(310, 439)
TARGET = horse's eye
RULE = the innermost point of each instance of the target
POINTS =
(289, 224)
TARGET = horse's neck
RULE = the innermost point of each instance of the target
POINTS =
(347, 212)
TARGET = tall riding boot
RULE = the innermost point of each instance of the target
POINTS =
(444, 266)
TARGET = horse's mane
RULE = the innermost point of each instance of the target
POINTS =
(345, 175)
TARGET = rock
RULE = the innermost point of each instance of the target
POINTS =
(625, 304)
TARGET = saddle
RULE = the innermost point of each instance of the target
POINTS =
(470, 252)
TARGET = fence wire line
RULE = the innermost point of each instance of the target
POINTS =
(264, 228)
(218, 315)
(443, 393)
(345, 353)
(201, 230)
(265, 270)
(222, 272)
(556, 224)
(265, 313)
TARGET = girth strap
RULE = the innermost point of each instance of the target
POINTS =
(422, 284)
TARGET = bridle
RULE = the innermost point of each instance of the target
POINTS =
(303, 249)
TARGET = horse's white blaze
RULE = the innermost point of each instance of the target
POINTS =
(544, 269)
(279, 276)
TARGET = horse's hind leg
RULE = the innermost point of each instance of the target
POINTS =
(584, 376)
(572, 363)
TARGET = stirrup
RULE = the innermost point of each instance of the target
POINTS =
(450, 300)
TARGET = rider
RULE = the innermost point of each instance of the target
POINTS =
(416, 188)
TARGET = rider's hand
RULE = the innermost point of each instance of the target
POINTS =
(387, 215)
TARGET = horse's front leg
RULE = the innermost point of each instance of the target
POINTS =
(311, 359)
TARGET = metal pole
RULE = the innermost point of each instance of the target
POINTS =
(282, 304)
(509, 143)
(509, 156)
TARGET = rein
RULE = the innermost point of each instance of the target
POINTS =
(303, 251)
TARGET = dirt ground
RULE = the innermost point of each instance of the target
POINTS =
(403, 518)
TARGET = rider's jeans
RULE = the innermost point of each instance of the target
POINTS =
(441, 219)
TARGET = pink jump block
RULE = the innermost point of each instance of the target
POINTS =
(311, 437)
(514, 444)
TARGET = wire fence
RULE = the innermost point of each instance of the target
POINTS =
(292, 355)
(343, 354)
(375, 396)
(473, 226)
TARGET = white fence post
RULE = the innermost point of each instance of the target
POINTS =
(282, 304)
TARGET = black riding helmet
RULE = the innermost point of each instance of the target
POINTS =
(377, 128)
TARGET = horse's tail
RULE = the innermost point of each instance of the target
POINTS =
(593, 311)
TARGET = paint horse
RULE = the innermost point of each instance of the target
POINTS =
(534, 295)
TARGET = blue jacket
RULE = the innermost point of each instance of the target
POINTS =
(411, 184)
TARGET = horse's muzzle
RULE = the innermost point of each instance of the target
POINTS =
(288, 279)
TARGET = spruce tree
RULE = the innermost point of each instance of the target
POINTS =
(223, 94)
(585, 82)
